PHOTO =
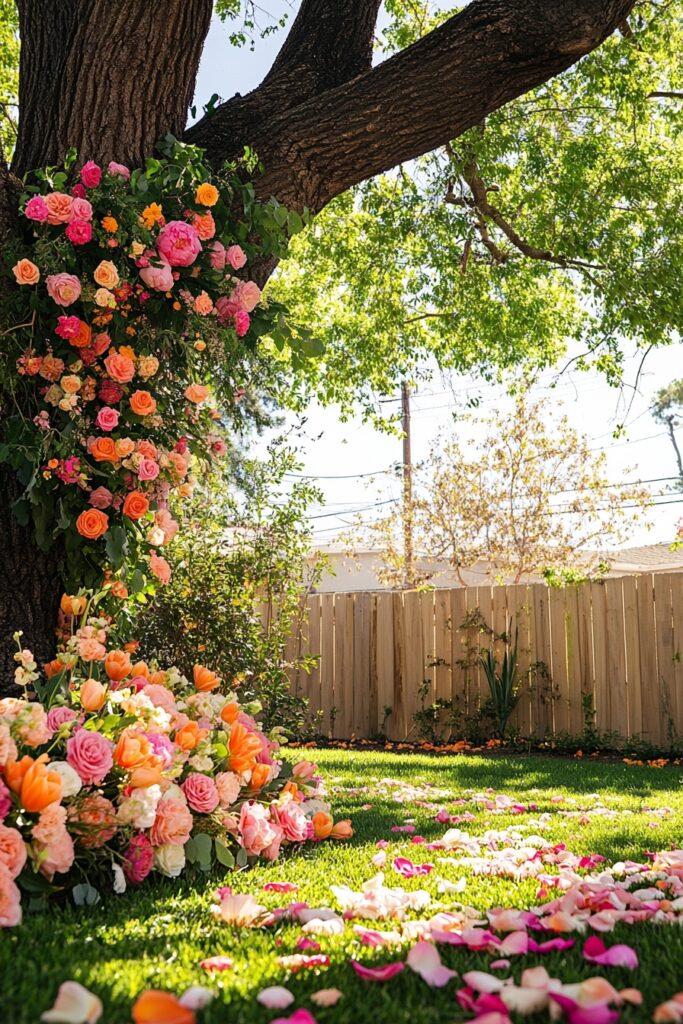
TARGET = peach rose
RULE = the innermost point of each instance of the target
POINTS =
(92, 523)
(196, 393)
(64, 289)
(136, 505)
(70, 384)
(106, 274)
(26, 272)
(142, 403)
(120, 368)
(160, 567)
(51, 839)
(124, 447)
(12, 850)
(84, 336)
(103, 449)
(59, 207)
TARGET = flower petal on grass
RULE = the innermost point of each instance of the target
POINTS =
(196, 997)
(326, 997)
(407, 869)
(384, 973)
(275, 997)
(595, 952)
(280, 887)
(298, 1017)
(217, 963)
(670, 1012)
(74, 1005)
(157, 1007)
(424, 959)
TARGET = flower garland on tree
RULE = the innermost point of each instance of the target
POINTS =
(130, 336)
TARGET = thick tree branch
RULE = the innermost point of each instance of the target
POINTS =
(490, 53)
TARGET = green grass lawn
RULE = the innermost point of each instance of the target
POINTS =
(156, 937)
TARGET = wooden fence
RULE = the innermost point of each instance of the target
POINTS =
(607, 653)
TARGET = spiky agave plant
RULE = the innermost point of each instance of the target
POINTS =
(503, 683)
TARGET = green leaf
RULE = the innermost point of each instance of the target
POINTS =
(223, 855)
(116, 545)
(85, 895)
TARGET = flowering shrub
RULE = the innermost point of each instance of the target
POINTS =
(120, 766)
(130, 336)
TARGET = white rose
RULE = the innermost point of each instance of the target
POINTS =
(140, 808)
(71, 781)
(201, 763)
(169, 859)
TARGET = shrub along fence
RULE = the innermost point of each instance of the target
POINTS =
(601, 656)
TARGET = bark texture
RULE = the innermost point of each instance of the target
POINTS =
(112, 77)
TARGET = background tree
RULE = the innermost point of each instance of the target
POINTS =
(522, 498)
(110, 80)
(667, 409)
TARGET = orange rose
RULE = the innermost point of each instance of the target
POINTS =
(136, 505)
(73, 605)
(103, 449)
(206, 194)
(155, 1007)
(142, 403)
(84, 336)
(106, 274)
(259, 776)
(119, 367)
(204, 679)
(39, 786)
(230, 712)
(189, 736)
(26, 272)
(92, 523)
(147, 449)
(322, 825)
(243, 749)
(132, 750)
(117, 665)
(196, 393)
(93, 695)
(124, 447)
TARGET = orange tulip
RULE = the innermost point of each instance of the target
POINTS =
(15, 772)
(73, 605)
(322, 825)
(293, 790)
(189, 736)
(36, 785)
(140, 668)
(155, 1007)
(132, 750)
(148, 774)
(244, 748)
(204, 679)
(259, 776)
(53, 668)
(159, 678)
(342, 830)
(117, 665)
(93, 695)
(230, 712)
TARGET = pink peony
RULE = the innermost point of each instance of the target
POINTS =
(10, 900)
(138, 859)
(256, 829)
(226, 309)
(94, 820)
(91, 756)
(81, 209)
(217, 255)
(172, 824)
(242, 323)
(148, 469)
(79, 232)
(100, 498)
(5, 801)
(67, 326)
(201, 793)
(160, 567)
(272, 851)
(247, 295)
(36, 209)
(293, 821)
(236, 257)
(56, 717)
(52, 840)
(63, 288)
(158, 278)
(107, 419)
(118, 169)
(12, 850)
(91, 174)
(179, 243)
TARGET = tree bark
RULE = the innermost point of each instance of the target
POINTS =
(111, 78)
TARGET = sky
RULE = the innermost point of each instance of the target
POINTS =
(350, 459)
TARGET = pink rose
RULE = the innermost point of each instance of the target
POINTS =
(201, 793)
(293, 821)
(138, 859)
(79, 232)
(120, 368)
(242, 323)
(247, 295)
(56, 717)
(63, 288)
(228, 785)
(36, 209)
(67, 326)
(256, 829)
(148, 469)
(78, 191)
(158, 278)
(160, 567)
(81, 209)
(273, 849)
(59, 206)
(236, 257)
(179, 243)
(217, 255)
(226, 309)
(12, 850)
(90, 754)
(100, 498)
(173, 823)
(10, 900)
(107, 418)
(91, 174)
(119, 169)
(5, 801)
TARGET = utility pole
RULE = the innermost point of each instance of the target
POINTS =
(408, 549)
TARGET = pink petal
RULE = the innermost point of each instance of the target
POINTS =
(595, 952)
(500, 965)
(480, 981)
(275, 997)
(304, 943)
(280, 887)
(424, 959)
(298, 1017)
(515, 944)
(407, 869)
(550, 946)
(217, 963)
(384, 973)
(575, 1014)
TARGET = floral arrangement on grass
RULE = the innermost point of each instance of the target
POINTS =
(119, 768)
(133, 327)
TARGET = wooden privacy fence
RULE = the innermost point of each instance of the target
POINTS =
(608, 654)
